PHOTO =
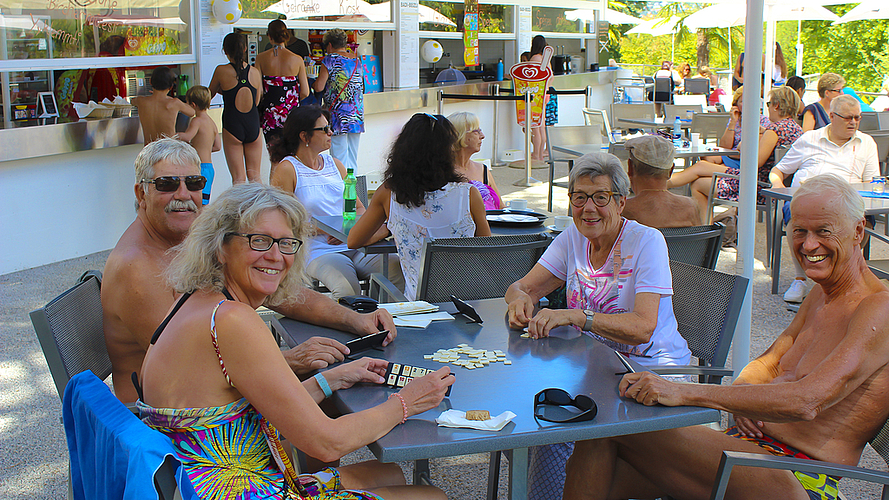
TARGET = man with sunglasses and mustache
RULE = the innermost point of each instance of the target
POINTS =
(135, 295)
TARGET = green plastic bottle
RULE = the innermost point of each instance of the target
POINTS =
(350, 194)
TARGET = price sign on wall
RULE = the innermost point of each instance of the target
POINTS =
(470, 33)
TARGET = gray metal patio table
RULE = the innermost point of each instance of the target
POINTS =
(872, 206)
(566, 360)
(335, 226)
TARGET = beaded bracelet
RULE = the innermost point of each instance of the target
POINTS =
(403, 406)
(322, 383)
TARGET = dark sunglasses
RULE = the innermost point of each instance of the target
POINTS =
(169, 183)
(325, 129)
(549, 405)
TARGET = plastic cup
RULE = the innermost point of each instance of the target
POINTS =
(878, 185)
(695, 140)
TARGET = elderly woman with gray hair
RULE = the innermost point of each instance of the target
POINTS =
(214, 381)
(619, 289)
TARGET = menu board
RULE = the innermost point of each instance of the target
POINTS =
(408, 44)
(470, 33)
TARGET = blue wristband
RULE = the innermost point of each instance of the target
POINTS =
(322, 383)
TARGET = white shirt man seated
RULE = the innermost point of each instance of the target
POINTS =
(839, 149)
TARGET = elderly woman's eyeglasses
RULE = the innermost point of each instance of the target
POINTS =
(170, 183)
(600, 198)
(263, 242)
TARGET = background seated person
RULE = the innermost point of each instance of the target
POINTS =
(633, 315)
(799, 85)
(816, 115)
(818, 392)
(782, 131)
(732, 135)
(469, 142)
(422, 195)
(649, 165)
(222, 397)
(305, 168)
(839, 149)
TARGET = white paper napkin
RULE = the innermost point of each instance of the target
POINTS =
(421, 320)
(457, 418)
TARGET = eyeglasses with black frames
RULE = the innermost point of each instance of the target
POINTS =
(325, 129)
(263, 242)
(850, 118)
(169, 183)
(600, 198)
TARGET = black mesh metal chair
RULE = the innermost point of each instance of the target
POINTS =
(470, 268)
(731, 459)
(880, 267)
(695, 245)
(709, 125)
(706, 304)
(70, 331)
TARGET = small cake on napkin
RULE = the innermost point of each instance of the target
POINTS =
(478, 415)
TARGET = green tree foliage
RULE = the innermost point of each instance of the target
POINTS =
(858, 50)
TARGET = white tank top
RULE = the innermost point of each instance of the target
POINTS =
(444, 214)
(321, 192)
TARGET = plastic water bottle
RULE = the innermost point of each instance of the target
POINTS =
(350, 194)
(677, 133)
(499, 76)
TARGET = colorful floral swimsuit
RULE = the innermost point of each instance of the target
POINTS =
(232, 452)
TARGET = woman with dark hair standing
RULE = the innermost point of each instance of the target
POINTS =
(550, 106)
(316, 179)
(239, 84)
(422, 195)
(284, 81)
(341, 77)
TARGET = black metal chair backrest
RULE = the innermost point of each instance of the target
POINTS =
(663, 89)
(880, 442)
(70, 331)
(697, 86)
(361, 188)
(706, 304)
(695, 245)
(476, 268)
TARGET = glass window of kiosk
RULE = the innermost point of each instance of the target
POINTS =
(491, 18)
(553, 20)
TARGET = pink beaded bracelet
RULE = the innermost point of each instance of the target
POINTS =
(403, 406)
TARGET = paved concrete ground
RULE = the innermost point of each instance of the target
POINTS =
(33, 455)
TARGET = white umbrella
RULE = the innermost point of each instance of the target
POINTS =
(379, 12)
(656, 27)
(612, 16)
(869, 9)
(735, 14)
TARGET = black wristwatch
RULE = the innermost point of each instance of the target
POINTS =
(588, 324)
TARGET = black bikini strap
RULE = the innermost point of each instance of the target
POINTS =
(227, 294)
(157, 333)
(485, 174)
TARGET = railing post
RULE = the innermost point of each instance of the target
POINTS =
(495, 154)
(440, 103)
(589, 96)
(528, 181)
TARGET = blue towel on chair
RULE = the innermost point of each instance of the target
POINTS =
(114, 455)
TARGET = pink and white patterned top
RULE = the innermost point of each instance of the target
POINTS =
(645, 267)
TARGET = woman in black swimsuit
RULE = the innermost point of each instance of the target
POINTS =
(241, 87)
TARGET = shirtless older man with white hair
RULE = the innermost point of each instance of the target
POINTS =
(135, 295)
(818, 392)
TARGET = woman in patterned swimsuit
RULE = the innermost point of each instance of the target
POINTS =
(341, 78)
(469, 142)
(284, 81)
(782, 131)
(215, 381)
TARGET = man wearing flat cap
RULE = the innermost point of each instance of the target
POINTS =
(650, 164)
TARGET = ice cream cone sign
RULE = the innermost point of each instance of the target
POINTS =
(534, 76)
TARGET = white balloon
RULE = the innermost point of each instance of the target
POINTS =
(431, 51)
(226, 11)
